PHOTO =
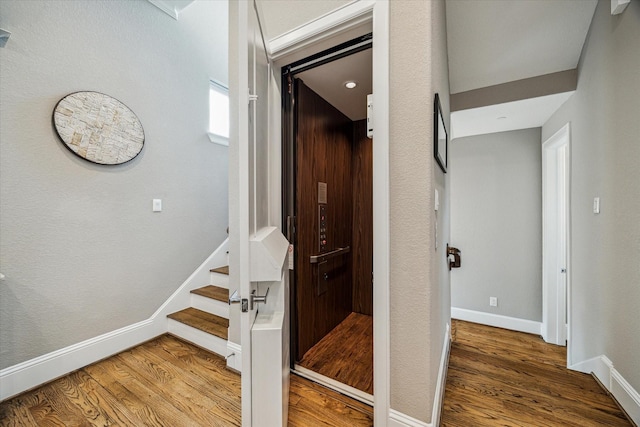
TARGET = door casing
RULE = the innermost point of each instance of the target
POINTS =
(556, 285)
(318, 35)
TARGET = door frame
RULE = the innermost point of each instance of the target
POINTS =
(313, 37)
(556, 242)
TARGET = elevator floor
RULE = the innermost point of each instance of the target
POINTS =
(346, 353)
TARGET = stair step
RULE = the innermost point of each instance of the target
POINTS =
(207, 322)
(222, 270)
(213, 292)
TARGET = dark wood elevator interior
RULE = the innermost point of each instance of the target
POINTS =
(332, 286)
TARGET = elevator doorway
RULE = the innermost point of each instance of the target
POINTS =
(327, 179)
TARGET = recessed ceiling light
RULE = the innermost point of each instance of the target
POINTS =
(350, 85)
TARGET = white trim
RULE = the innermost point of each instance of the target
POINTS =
(398, 419)
(618, 386)
(234, 356)
(442, 378)
(198, 337)
(556, 238)
(218, 139)
(347, 390)
(497, 320)
(381, 251)
(35, 372)
(171, 11)
(171, 8)
(340, 21)
(181, 298)
(332, 23)
(626, 395)
(40, 370)
(601, 366)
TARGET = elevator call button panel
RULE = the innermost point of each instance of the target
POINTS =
(322, 228)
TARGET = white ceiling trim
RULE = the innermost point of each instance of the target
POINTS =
(523, 114)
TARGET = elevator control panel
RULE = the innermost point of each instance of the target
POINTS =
(322, 228)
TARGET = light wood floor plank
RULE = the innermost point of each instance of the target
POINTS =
(498, 377)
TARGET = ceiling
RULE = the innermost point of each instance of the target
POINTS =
(496, 41)
(492, 42)
(328, 81)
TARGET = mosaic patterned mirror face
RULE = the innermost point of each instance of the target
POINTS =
(98, 128)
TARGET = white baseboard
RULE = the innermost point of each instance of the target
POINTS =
(497, 320)
(398, 419)
(625, 394)
(40, 370)
(234, 356)
(32, 373)
(181, 298)
(442, 378)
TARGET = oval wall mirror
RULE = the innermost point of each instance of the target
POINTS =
(98, 128)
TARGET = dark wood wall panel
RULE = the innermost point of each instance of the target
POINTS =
(323, 154)
(362, 240)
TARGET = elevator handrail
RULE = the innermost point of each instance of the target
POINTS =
(315, 259)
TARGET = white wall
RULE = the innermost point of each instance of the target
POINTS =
(81, 250)
(496, 221)
(605, 163)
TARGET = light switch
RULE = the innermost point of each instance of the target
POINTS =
(596, 205)
(157, 205)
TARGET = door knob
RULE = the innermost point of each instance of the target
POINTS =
(456, 261)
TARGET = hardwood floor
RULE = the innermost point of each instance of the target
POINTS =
(311, 404)
(498, 377)
(346, 353)
(166, 382)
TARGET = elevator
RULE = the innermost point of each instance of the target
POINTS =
(328, 196)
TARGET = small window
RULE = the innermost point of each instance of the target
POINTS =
(218, 113)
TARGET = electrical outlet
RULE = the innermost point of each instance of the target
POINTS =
(493, 301)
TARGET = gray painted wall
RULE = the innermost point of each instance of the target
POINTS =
(419, 294)
(496, 221)
(605, 163)
(440, 301)
(81, 250)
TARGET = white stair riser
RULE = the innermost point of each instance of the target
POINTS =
(220, 280)
(200, 338)
(209, 305)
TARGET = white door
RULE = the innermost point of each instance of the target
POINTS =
(555, 247)
(249, 179)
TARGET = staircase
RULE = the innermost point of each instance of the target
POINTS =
(206, 321)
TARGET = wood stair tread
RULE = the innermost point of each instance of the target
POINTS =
(213, 292)
(207, 322)
(222, 270)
